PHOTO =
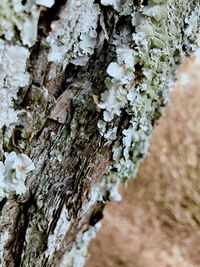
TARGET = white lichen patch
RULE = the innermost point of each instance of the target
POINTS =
(114, 192)
(47, 3)
(78, 254)
(13, 75)
(122, 73)
(55, 239)
(73, 36)
(18, 18)
(112, 101)
(13, 173)
(157, 12)
(114, 3)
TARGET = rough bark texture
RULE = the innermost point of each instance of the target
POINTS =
(82, 84)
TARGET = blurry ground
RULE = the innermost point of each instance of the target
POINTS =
(158, 222)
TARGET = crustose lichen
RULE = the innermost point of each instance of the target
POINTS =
(13, 173)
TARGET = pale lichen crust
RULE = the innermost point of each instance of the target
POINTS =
(46, 3)
(18, 32)
(18, 21)
(78, 253)
(73, 36)
(12, 76)
(140, 79)
(13, 173)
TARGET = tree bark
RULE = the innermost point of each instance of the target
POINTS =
(82, 85)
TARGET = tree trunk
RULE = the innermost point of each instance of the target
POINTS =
(82, 85)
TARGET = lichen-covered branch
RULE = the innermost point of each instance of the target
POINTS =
(82, 85)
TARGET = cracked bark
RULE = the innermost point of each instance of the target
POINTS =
(44, 226)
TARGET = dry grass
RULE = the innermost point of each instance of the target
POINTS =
(158, 222)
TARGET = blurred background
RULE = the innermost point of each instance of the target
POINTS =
(157, 224)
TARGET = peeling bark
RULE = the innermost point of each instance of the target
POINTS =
(82, 84)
